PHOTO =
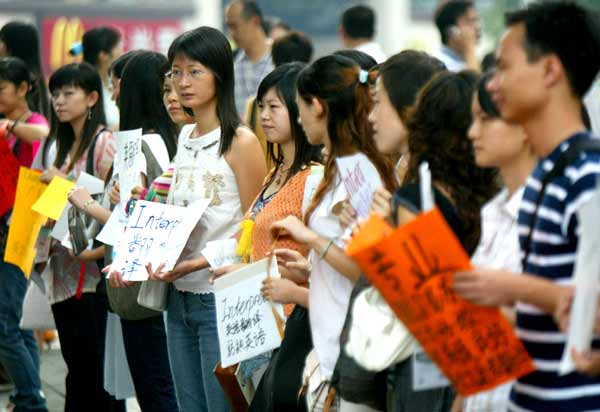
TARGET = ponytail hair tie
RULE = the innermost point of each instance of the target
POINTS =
(363, 76)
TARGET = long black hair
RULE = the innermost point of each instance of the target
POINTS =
(86, 77)
(283, 79)
(211, 48)
(140, 99)
(22, 41)
(99, 39)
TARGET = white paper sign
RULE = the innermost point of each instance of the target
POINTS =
(156, 233)
(245, 320)
(94, 186)
(128, 161)
(115, 225)
(587, 275)
(361, 179)
(426, 374)
(221, 252)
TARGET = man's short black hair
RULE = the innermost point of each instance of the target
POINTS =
(250, 9)
(359, 22)
(293, 47)
(567, 30)
(447, 15)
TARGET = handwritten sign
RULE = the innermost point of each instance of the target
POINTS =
(128, 160)
(221, 252)
(156, 233)
(475, 347)
(587, 275)
(25, 223)
(54, 199)
(361, 179)
(8, 177)
(245, 320)
(94, 186)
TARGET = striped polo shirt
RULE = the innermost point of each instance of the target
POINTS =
(552, 255)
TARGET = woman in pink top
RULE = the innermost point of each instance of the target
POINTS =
(23, 128)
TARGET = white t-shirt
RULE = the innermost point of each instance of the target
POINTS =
(201, 173)
(374, 50)
(329, 291)
(498, 248)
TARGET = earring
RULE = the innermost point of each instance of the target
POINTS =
(89, 113)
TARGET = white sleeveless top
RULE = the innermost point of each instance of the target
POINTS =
(201, 173)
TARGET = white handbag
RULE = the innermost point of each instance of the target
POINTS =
(37, 314)
(153, 295)
(377, 338)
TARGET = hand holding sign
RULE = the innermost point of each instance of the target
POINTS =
(156, 233)
(413, 267)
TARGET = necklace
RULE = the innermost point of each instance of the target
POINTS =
(281, 172)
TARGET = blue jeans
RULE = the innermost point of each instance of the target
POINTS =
(194, 351)
(18, 349)
(146, 348)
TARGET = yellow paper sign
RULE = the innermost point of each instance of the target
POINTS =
(54, 199)
(25, 223)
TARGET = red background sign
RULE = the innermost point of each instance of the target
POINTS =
(60, 32)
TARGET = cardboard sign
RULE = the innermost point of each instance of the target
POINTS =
(474, 346)
(245, 320)
(25, 223)
(54, 199)
(361, 179)
(156, 233)
(8, 177)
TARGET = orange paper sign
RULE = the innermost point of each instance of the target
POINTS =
(474, 346)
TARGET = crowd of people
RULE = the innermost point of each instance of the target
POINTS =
(258, 132)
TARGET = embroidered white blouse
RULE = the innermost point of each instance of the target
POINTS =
(201, 173)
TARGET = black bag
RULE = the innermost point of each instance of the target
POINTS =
(351, 381)
(280, 385)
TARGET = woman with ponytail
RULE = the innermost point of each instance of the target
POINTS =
(334, 102)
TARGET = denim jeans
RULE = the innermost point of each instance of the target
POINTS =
(18, 349)
(146, 348)
(194, 351)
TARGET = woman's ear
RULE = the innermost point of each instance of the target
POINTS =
(22, 89)
(92, 99)
(317, 107)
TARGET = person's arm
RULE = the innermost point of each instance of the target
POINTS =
(325, 247)
(284, 291)
(30, 133)
(179, 271)
(80, 198)
(247, 161)
(490, 287)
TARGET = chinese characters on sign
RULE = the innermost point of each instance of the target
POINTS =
(156, 233)
(413, 267)
(245, 320)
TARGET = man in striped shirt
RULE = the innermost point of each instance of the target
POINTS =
(547, 60)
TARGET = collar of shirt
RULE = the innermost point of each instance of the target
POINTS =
(243, 57)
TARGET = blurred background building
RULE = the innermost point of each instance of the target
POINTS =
(152, 24)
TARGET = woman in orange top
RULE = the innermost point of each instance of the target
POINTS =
(282, 195)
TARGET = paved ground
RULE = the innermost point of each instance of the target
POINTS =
(53, 371)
